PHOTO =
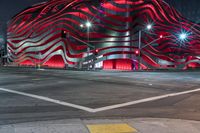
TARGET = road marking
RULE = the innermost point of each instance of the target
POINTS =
(40, 69)
(36, 79)
(111, 128)
(48, 99)
(145, 100)
(102, 108)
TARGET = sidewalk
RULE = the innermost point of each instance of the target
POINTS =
(138, 125)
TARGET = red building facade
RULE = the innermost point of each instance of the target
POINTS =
(107, 34)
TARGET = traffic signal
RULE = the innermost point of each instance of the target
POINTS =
(137, 52)
(161, 36)
(96, 52)
(64, 34)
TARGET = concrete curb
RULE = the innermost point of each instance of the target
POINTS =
(142, 125)
(100, 70)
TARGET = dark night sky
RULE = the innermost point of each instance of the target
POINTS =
(188, 8)
(9, 8)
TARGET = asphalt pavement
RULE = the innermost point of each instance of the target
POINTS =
(30, 95)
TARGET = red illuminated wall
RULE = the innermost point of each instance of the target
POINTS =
(35, 35)
(119, 64)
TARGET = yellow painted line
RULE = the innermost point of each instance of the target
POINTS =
(111, 128)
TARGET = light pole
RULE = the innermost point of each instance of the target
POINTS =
(160, 37)
(35, 59)
(139, 47)
(39, 67)
(88, 25)
(149, 27)
(1, 57)
(181, 36)
(8, 55)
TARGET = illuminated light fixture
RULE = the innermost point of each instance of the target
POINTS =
(97, 50)
(149, 27)
(137, 52)
(183, 36)
(161, 36)
(81, 25)
(88, 24)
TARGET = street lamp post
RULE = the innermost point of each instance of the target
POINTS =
(139, 46)
(88, 25)
(8, 55)
(39, 67)
(88, 48)
(1, 57)
(149, 27)
(182, 37)
(35, 59)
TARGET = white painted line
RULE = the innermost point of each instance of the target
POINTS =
(145, 100)
(40, 69)
(48, 100)
(102, 108)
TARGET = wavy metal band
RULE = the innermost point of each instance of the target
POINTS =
(35, 34)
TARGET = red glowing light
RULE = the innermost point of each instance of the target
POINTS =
(137, 52)
(161, 36)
